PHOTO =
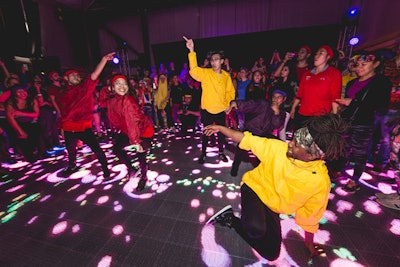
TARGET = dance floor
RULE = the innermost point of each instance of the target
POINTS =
(47, 220)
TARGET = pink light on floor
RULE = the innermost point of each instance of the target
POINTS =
(202, 218)
(103, 199)
(81, 197)
(231, 195)
(195, 203)
(105, 261)
(395, 227)
(62, 215)
(44, 198)
(196, 171)
(59, 228)
(117, 230)
(210, 211)
(127, 238)
(342, 206)
(15, 188)
(162, 178)
(212, 253)
(90, 191)
(33, 219)
(217, 193)
(385, 188)
(73, 187)
(76, 228)
(118, 207)
(345, 263)
(372, 207)
(330, 216)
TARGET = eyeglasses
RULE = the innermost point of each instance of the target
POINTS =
(366, 58)
(215, 59)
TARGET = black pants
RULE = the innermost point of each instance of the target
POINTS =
(258, 226)
(120, 141)
(48, 125)
(33, 143)
(207, 119)
(188, 121)
(88, 137)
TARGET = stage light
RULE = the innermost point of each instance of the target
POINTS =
(116, 60)
(351, 16)
(354, 40)
(353, 12)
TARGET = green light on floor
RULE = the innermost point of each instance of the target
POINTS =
(8, 217)
(323, 220)
(15, 207)
(31, 198)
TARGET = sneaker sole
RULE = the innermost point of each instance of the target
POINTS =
(218, 213)
(387, 196)
(389, 204)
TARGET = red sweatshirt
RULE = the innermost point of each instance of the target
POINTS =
(76, 105)
(126, 115)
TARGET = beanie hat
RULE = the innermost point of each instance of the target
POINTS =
(306, 47)
(119, 76)
(328, 50)
(68, 72)
(277, 91)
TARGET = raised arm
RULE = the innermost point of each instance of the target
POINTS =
(189, 44)
(99, 68)
(236, 136)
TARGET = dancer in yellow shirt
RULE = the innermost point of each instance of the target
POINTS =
(291, 178)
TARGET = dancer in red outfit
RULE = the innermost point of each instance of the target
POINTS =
(76, 106)
(134, 127)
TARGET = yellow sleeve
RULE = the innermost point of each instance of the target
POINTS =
(195, 71)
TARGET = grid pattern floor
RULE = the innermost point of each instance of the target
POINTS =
(47, 220)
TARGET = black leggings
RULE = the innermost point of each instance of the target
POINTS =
(88, 137)
(207, 119)
(259, 226)
(120, 141)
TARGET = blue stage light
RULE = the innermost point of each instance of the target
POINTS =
(353, 12)
(354, 40)
(116, 60)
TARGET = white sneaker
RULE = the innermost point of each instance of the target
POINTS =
(388, 196)
(221, 216)
(390, 203)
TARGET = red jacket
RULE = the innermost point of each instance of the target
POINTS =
(76, 105)
(126, 115)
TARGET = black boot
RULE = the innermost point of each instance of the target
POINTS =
(235, 168)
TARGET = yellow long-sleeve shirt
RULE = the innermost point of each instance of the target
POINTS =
(218, 90)
(287, 185)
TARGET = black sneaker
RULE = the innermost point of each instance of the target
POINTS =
(222, 157)
(106, 174)
(134, 172)
(68, 171)
(142, 183)
(223, 217)
(202, 158)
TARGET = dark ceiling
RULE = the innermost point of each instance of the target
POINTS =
(114, 8)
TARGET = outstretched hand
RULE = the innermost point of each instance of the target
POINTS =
(109, 56)
(189, 43)
(211, 129)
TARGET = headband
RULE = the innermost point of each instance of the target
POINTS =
(306, 141)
